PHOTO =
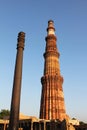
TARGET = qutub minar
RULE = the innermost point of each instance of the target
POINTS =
(52, 98)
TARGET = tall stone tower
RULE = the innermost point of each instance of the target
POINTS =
(52, 99)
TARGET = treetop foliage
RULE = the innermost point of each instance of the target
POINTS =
(4, 113)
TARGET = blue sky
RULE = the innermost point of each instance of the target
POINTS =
(30, 16)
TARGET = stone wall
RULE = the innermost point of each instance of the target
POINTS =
(30, 124)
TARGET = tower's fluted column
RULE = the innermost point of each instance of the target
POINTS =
(15, 102)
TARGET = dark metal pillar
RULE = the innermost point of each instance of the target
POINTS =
(15, 102)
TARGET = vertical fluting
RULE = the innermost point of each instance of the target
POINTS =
(15, 102)
(52, 92)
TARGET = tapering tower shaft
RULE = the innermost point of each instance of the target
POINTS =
(15, 102)
(52, 99)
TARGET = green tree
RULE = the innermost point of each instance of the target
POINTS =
(4, 113)
(82, 123)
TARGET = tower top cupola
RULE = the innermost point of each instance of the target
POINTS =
(50, 29)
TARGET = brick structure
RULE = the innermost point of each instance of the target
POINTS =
(52, 99)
